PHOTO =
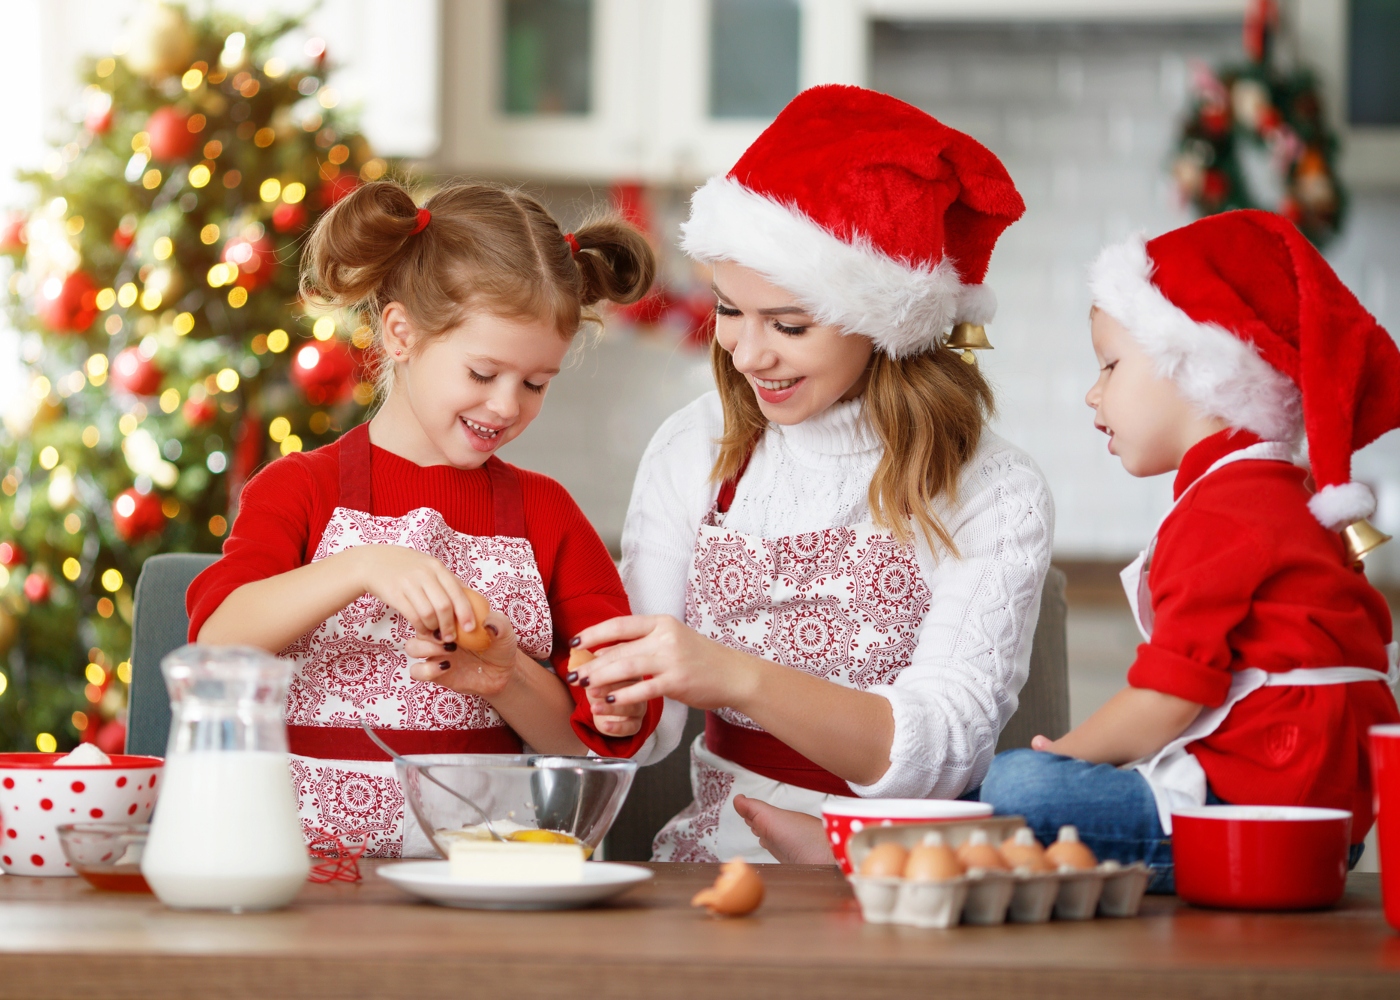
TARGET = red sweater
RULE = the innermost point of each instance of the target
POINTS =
(1244, 576)
(286, 506)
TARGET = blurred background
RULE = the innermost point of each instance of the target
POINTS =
(1111, 115)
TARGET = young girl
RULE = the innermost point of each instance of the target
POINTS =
(832, 554)
(1267, 652)
(352, 560)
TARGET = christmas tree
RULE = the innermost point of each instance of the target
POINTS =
(154, 282)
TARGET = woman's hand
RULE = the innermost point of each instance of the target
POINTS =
(415, 585)
(487, 673)
(611, 718)
(654, 656)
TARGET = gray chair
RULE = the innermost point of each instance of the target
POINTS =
(662, 790)
(158, 626)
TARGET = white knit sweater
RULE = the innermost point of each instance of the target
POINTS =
(974, 645)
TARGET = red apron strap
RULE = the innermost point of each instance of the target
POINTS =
(355, 470)
(765, 754)
(730, 485)
(351, 743)
(507, 502)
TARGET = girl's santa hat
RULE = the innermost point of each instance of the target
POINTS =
(878, 218)
(1254, 327)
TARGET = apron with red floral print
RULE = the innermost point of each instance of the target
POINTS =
(843, 604)
(353, 667)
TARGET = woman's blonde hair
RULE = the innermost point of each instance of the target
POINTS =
(485, 246)
(928, 410)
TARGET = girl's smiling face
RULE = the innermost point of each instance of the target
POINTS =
(795, 366)
(1150, 425)
(461, 395)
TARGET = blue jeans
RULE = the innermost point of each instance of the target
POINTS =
(1114, 809)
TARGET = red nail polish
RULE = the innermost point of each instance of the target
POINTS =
(444, 664)
(610, 699)
(575, 641)
(450, 647)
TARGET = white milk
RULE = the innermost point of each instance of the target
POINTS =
(226, 835)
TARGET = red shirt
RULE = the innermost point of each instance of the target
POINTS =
(286, 506)
(1244, 576)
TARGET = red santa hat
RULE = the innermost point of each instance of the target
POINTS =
(1253, 326)
(878, 218)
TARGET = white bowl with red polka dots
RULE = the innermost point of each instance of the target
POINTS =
(842, 817)
(35, 797)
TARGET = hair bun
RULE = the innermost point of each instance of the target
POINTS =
(356, 244)
(615, 261)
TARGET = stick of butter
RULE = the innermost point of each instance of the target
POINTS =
(515, 862)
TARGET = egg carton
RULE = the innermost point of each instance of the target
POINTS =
(985, 898)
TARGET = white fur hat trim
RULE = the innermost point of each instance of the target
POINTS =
(1337, 506)
(905, 308)
(1220, 373)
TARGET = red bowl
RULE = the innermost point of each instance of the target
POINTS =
(844, 816)
(1261, 857)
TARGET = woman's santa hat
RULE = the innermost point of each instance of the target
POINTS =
(878, 218)
(1253, 326)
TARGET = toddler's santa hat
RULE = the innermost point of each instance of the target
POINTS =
(877, 217)
(1254, 327)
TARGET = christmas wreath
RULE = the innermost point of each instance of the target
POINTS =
(1257, 137)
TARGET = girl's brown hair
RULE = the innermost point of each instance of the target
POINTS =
(928, 410)
(486, 247)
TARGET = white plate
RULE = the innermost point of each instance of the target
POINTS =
(432, 880)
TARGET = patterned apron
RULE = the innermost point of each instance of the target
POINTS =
(843, 604)
(352, 666)
(1178, 781)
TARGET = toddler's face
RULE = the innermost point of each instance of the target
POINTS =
(478, 386)
(1149, 424)
(795, 366)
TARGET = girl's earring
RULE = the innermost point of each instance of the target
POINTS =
(398, 354)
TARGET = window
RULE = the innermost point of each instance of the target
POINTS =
(548, 57)
(753, 57)
(1374, 63)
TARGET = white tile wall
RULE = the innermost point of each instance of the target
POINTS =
(1085, 119)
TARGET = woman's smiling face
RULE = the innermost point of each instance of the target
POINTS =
(795, 366)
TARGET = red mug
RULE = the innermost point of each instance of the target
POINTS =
(844, 816)
(1385, 788)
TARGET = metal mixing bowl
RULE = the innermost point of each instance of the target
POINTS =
(576, 796)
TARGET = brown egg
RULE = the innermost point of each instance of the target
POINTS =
(887, 860)
(932, 861)
(979, 852)
(737, 891)
(1069, 852)
(478, 638)
(1022, 850)
(578, 656)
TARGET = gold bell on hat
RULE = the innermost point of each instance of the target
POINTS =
(1362, 538)
(968, 337)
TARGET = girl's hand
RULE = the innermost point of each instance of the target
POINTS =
(654, 656)
(486, 673)
(415, 585)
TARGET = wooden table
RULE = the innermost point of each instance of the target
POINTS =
(59, 938)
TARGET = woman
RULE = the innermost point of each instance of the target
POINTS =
(856, 560)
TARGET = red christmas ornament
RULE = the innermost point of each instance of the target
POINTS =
(1215, 187)
(288, 218)
(11, 555)
(124, 235)
(256, 261)
(37, 587)
(198, 412)
(12, 235)
(111, 738)
(650, 310)
(169, 134)
(99, 120)
(325, 372)
(68, 305)
(333, 190)
(133, 373)
(137, 516)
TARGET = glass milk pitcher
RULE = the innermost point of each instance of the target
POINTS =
(226, 834)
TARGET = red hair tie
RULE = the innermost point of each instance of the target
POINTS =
(570, 239)
(424, 217)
